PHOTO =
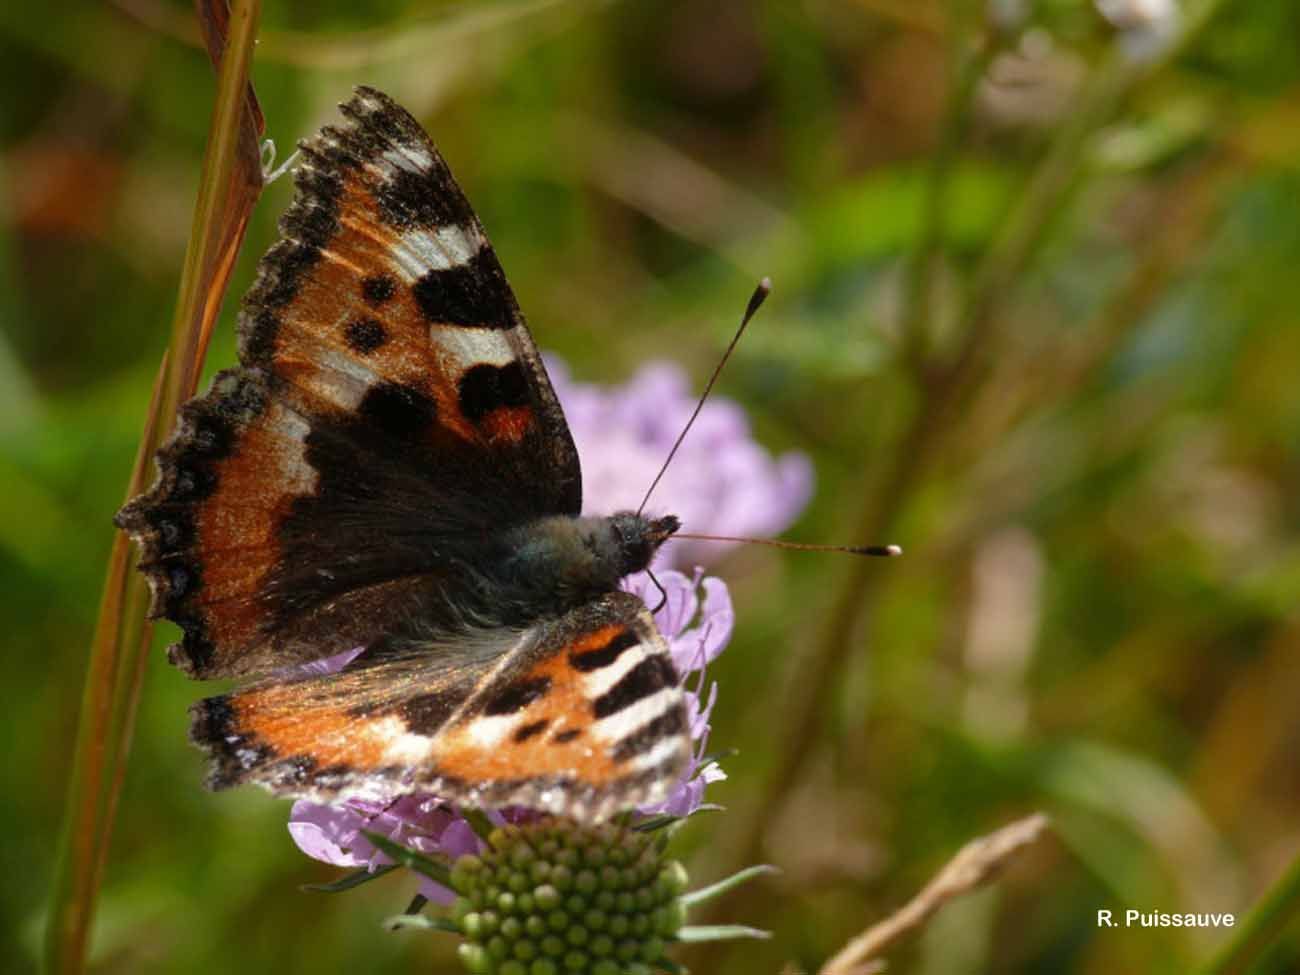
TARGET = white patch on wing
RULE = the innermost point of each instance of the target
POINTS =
(622, 723)
(597, 682)
(660, 753)
(334, 376)
(487, 732)
(418, 251)
(294, 471)
(401, 747)
(369, 101)
(461, 347)
(414, 159)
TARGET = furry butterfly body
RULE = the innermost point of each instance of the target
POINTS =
(388, 469)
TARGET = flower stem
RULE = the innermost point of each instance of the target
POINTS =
(119, 648)
(1278, 908)
(88, 808)
(967, 69)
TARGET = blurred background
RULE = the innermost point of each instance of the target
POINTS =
(1035, 320)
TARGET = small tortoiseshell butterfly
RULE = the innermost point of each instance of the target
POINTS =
(388, 468)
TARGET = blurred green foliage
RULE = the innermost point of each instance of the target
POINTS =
(1097, 612)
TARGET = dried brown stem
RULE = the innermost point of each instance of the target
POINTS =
(228, 187)
(975, 864)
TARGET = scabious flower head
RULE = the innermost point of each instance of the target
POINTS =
(550, 896)
(722, 482)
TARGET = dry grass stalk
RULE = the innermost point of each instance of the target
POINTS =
(975, 864)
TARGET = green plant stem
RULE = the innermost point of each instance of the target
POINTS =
(119, 648)
(1278, 908)
(923, 266)
(1028, 226)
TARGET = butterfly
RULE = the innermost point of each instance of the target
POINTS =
(388, 468)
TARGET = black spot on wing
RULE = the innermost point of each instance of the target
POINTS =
(650, 675)
(671, 722)
(566, 736)
(378, 288)
(424, 714)
(531, 730)
(422, 199)
(517, 696)
(399, 411)
(472, 294)
(606, 655)
(485, 388)
(365, 335)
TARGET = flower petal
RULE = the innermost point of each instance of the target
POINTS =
(325, 833)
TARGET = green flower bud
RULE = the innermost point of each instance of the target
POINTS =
(555, 897)
(546, 896)
(475, 958)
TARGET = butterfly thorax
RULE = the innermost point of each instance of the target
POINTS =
(554, 564)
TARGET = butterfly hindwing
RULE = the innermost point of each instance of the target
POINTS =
(580, 716)
(389, 399)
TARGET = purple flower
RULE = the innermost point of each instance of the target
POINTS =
(721, 482)
(334, 833)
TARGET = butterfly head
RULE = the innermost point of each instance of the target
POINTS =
(636, 538)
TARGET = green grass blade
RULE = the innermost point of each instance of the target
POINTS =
(1278, 908)
(437, 872)
(349, 880)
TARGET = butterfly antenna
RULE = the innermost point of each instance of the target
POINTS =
(755, 302)
(882, 551)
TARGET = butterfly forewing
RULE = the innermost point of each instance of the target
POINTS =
(389, 399)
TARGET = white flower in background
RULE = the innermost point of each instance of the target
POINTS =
(1145, 26)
